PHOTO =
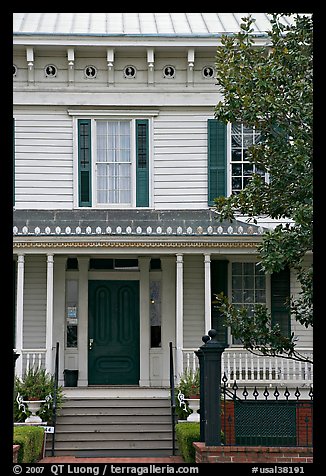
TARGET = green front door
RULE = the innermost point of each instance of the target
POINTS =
(113, 333)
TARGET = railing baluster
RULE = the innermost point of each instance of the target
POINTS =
(246, 366)
(240, 366)
(264, 369)
(252, 376)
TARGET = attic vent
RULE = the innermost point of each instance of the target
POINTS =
(129, 72)
(169, 72)
(90, 72)
(50, 71)
(208, 72)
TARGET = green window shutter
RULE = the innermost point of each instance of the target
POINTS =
(216, 132)
(219, 284)
(280, 293)
(142, 163)
(84, 163)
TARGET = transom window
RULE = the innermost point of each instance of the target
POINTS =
(113, 162)
(242, 137)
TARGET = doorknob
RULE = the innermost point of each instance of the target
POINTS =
(90, 346)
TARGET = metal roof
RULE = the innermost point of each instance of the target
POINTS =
(136, 24)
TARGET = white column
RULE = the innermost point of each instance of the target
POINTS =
(208, 318)
(144, 320)
(179, 318)
(168, 313)
(49, 315)
(83, 265)
(59, 305)
(20, 314)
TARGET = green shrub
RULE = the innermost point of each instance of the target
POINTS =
(30, 439)
(39, 384)
(186, 434)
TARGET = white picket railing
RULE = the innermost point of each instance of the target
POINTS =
(31, 358)
(248, 369)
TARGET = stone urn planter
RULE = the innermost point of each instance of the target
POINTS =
(194, 406)
(34, 406)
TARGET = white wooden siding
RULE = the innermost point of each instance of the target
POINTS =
(34, 302)
(193, 301)
(180, 158)
(43, 158)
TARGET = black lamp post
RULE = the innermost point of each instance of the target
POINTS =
(209, 356)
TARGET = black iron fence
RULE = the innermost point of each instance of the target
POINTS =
(266, 417)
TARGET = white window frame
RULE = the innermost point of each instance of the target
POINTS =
(95, 163)
(114, 115)
(242, 259)
(229, 161)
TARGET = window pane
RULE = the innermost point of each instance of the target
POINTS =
(236, 268)
(236, 155)
(248, 268)
(236, 170)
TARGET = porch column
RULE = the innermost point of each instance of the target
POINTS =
(168, 313)
(144, 320)
(20, 314)
(179, 318)
(49, 314)
(83, 265)
(59, 299)
(207, 284)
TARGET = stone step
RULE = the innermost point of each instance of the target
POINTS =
(113, 426)
(114, 419)
(117, 403)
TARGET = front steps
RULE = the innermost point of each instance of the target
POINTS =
(108, 423)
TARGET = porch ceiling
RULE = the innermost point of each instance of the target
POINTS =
(128, 223)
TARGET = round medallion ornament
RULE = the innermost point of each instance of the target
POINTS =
(58, 230)
(68, 230)
(220, 230)
(78, 230)
(129, 72)
(208, 72)
(50, 71)
(90, 72)
(47, 230)
(169, 72)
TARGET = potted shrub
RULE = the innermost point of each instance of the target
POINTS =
(188, 388)
(36, 390)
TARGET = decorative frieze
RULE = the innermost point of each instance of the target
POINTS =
(134, 244)
(136, 230)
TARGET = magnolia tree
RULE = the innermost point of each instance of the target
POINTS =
(270, 88)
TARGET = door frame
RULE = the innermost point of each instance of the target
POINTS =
(141, 275)
(117, 284)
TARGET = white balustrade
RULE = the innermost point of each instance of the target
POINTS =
(32, 359)
(249, 369)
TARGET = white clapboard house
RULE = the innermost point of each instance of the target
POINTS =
(117, 160)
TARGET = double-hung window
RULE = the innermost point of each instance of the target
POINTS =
(113, 162)
(240, 139)
(229, 169)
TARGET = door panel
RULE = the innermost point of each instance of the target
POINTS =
(113, 358)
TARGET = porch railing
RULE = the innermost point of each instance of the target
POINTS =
(246, 368)
(31, 358)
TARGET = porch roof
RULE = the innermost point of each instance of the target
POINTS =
(156, 223)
